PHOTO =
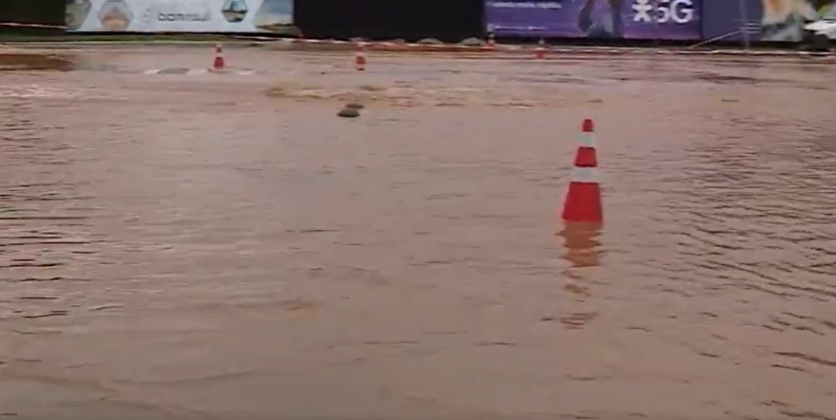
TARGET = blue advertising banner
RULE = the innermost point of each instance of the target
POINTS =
(624, 19)
(726, 20)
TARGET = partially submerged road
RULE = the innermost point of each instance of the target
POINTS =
(213, 245)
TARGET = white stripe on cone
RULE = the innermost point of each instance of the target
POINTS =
(585, 175)
(587, 140)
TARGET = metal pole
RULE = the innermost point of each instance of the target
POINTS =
(745, 26)
(654, 50)
(655, 18)
(716, 38)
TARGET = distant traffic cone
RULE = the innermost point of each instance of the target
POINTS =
(491, 40)
(359, 58)
(582, 203)
(540, 51)
(218, 64)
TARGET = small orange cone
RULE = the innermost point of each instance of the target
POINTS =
(218, 64)
(582, 203)
(359, 58)
(540, 51)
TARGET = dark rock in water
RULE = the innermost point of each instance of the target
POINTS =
(349, 113)
(354, 105)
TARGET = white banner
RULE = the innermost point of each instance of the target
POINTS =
(271, 16)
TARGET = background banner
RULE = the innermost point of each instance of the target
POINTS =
(626, 19)
(763, 20)
(247, 16)
(784, 20)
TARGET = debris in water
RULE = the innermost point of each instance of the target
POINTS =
(348, 112)
(371, 88)
(355, 105)
(46, 315)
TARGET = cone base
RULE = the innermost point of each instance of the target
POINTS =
(583, 203)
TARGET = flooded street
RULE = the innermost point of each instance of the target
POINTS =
(198, 246)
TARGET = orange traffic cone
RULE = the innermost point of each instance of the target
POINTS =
(540, 51)
(218, 64)
(582, 203)
(359, 58)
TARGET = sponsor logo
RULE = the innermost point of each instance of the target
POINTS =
(664, 11)
(115, 15)
(234, 11)
(183, 17)
(154, 14)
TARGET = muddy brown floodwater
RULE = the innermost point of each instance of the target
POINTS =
(214, 245)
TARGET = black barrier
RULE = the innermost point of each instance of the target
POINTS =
(48, 13)
(411, 20)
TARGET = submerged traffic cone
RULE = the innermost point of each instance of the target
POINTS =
(540, 51)
(582, 203)
(359, 58)
(218, 64)
(581, 244)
